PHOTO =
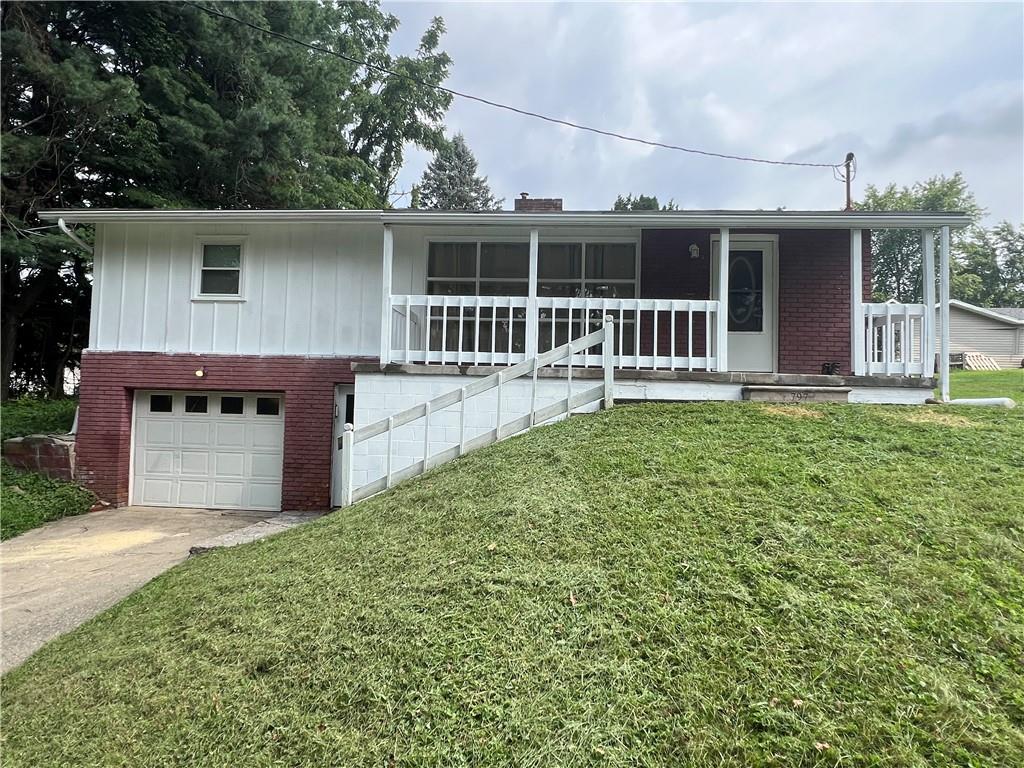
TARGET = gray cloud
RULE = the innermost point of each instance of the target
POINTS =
(914, 90)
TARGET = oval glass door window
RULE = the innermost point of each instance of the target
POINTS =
(746, 291)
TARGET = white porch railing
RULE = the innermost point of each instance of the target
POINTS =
(602, 338)
(894, 339)
(671, 334)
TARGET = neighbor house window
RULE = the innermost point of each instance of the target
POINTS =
(220, 268)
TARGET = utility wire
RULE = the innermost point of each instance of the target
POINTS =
(507, 107)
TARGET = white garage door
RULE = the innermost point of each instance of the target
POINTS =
(222, 450)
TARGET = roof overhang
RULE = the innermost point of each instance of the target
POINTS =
(653, 220)
(984, 312)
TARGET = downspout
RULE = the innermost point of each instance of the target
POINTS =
(88, 249)
(75, 238)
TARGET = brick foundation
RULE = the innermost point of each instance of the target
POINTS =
(109, 381)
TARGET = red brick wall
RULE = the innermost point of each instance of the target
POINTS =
(813, 291)
(668, 272)
(109, 380)
(814, 298)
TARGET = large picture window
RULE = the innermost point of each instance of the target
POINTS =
(478, 269)
(588, 270)
(564, 269)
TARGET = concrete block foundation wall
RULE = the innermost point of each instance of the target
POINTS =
(379, 395)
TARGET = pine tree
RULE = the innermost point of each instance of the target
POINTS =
(642, 203)
(156, 105)
(451, 182)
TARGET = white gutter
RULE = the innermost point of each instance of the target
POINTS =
(664, 220)
(78, 241)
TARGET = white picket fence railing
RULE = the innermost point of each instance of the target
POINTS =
(669, 334)
(565, 354)
(895, 339)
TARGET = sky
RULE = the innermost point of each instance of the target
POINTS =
(913, 89)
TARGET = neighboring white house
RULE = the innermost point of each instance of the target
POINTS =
(997, 332)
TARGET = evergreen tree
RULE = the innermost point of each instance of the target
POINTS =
(642, 203)
(149, 105)
(451, 181)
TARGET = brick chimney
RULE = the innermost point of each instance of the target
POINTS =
(527, 204)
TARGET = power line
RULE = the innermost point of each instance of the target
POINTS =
(507, 107)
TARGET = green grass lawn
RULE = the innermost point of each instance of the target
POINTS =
(1005, 383)
(690, 584)
(29, 499)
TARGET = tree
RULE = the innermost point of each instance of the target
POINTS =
(896, 253)
(162, 105)
(642, 203)
(450, 181)
(1008, 244)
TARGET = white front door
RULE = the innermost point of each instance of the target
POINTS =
(221, 450)
(752, 302)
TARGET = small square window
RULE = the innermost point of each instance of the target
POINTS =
(268, 406)
(161, 403)
(221, 269)
(195, 403)
(232, 406)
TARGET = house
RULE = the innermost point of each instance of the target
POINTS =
(228, 349)
(997, 332)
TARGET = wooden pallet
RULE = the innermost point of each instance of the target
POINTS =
(976, 361)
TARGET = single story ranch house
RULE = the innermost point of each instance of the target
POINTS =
(230, 351)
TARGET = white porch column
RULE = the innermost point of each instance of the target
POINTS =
(385, 317)
(944, 311)
(857, 352)
(928, 296)
(722, 326)
(532, 323)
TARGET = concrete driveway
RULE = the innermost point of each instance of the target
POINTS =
(58, 576)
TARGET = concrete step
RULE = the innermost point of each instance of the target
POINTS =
(795, 394)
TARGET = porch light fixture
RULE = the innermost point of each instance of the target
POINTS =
(694, 251)
(200, 372)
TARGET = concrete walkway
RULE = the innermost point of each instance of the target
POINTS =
(56, 577)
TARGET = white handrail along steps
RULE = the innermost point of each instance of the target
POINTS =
(603, 392)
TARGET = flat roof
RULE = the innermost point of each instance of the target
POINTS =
(411, 216)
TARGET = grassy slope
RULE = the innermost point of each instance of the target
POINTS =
(1005, 383)
(28, 416)
(30, 499)
(697, 584)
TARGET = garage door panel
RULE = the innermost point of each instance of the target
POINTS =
(228, 494)
(231, 464)
(267, 435)
(193, 492)
(266, 466)
(190, 459)
(195, 462)
(195, 433)
(158, 432)
(264, 495)
(229, 435)
(157, 462)
(156, 492)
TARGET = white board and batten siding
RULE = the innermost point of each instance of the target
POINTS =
(307, 289)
